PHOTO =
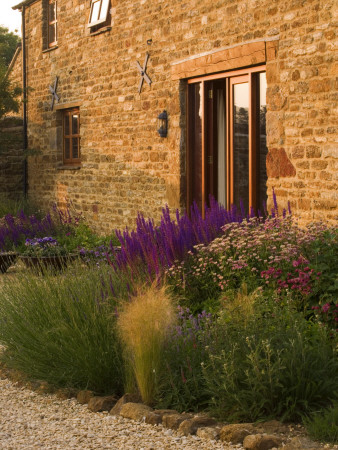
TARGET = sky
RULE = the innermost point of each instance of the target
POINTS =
(8, 17)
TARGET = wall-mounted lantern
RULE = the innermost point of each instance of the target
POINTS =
(163, 124)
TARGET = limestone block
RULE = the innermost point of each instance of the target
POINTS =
(135, 411)
(236, 433)
(106, 403)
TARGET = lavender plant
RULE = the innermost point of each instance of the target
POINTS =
(62, 329)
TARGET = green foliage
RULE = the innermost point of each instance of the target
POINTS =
(8, 93)
(182, 385)
(274, 364)
(63, 329)
(81, 236)
(46, 246)
(323, 425)
(14, 205)
(8, 44)
(322, 254)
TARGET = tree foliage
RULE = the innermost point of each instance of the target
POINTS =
(8, 93)
(8, 44)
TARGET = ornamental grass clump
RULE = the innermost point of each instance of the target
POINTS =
(62, 329)
(323, 424)
(143, 325)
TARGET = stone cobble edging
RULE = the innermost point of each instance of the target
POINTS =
(114, 418)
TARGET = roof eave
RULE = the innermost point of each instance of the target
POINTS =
(24, 3)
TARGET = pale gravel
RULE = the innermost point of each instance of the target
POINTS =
(29, 420)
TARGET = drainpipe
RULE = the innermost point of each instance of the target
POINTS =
(24, 88)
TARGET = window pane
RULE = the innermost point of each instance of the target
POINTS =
(51, 12)
(195, 143)
(66, 125)
(241, 144)
(67, 149)
(95, 11)
(52, 33)
(262, 151)
(104, 9)
(221, 150)
(75, 148)
(75, 128)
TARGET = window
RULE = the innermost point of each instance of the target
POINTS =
(52, 23)
(226, 155)
(99, 13)
(71, 137)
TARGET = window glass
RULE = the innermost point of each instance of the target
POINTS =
(52, 12)
(95, 11)
(241, 144)
(75, 148)
(263, 150)
(52, 23)
(195, 143)
(66, 125)
(75, 124)
(104, 9)
(229, 162)
(71, 138)
(52, 34)
(99, 12)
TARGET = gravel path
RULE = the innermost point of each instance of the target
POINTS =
(33, 421)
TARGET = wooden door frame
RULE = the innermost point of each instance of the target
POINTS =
(228, 76)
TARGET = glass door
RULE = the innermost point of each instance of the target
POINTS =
(226, 155)
(239, 141)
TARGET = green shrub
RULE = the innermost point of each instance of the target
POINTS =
(323, 425)
(63, 329)
(181, 385)
(275, 364)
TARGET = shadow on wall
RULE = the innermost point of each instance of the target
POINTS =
(11, 157)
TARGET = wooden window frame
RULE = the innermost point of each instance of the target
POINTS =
(52, 24)
(228, 76)
(100, 22)
(68, 115)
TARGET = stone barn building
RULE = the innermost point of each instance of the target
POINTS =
(135, 104)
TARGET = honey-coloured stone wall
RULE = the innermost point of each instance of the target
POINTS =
(126, 166)
(11, 158)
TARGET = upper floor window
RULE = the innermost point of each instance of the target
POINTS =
(71, 136)
(52, 23)
(99, 13)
